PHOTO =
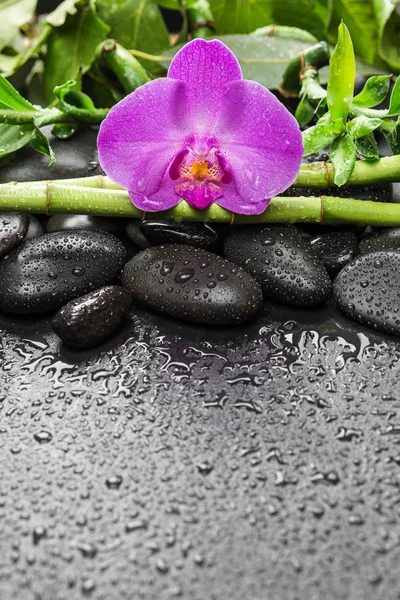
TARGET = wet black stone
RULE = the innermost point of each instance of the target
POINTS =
(75, 158)
(192, 284)
(335, 249)
(135, 235)
(91, 319)
(367, 290)
(282, 261)
(386, 239)
(35, 228)
(64, 222)
(13, 228)
(46, 272)
(200, 235)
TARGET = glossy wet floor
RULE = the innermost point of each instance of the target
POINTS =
(185, 462)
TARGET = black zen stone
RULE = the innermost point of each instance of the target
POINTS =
(335, 249)
(13, 229)
(388, 239)
(46, 272)
(282, 261)
(200, 235)
(192, 284)
(91, 319)
(367, 290)
(35, 228)
(64, 222)
(134, 233)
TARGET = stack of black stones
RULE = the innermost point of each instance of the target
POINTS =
(91, 271)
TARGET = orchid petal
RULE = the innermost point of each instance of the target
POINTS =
(142, 134)
(232, 201)
(260, 140)
(205, 67)
(163, 198)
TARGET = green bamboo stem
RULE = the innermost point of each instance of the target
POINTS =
(123, 64)
(58, 197)
(319, 175)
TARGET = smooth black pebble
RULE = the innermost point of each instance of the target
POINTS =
(199, 235)
(35, 228)
(192, 284)
(48, 271)
(335, 249)
(93, 318)
(367, 290)
(13, 229)
(282, 261)
(65, 222)
(134, 233)
(388, 239)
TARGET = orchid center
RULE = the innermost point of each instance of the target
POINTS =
(201, 172)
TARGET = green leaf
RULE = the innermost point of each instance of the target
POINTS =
(40, 142)
(361, 126)
(394, 106)
(11, 99)
(342, 74)
(282, 31)
(343, 157)
(391, 131)
(374, 91)
(60, 14)
(13, 137)
(304, 112)
(367, 147)
(388, 27)
(316, 138)
(71, 47)
(263, 59)
(13, 15)
(374, 28)
(237, 16)
(136, 24)
(359, 17)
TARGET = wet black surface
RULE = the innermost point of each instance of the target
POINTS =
(177, 461)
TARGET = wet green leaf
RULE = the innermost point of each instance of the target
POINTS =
(40, 142)
(11, 99)
(367, 147)
(394, 106)
(136, 24)
(71, 47)
(342, 74)
(237, 16)
(316, 138)
(374, 91)
(391, 131)
(361, 126)
(343, 157)
(14, 137)
(304, 112)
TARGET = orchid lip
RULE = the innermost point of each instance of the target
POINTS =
(201, 172)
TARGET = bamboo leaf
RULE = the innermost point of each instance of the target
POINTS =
(342, 75)
(343, 157)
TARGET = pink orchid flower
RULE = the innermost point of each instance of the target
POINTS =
(203, 134)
